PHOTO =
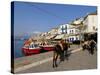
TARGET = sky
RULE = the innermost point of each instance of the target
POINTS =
(32, 17)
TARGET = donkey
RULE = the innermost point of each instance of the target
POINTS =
(59, 50)
(85, 45)
(90, 45)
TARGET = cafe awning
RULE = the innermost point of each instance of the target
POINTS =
(50, 36)
(61, 36)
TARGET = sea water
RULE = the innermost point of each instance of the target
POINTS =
(18, 44)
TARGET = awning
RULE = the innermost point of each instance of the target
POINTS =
(50, 37)
(90, 32)
(61, 36)
(73, 34)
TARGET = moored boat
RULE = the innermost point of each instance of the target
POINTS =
(48, 47)
(31, 49)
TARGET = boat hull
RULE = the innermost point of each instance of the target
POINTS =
(28, 52)
(48, 48)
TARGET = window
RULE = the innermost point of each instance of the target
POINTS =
(76, 38)
(72, 31)
(66, 27)
(94, 28)
(66, 31)
(32, 46)
(72, 39)
(62, 29)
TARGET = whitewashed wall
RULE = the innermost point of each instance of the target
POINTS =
(90, 21)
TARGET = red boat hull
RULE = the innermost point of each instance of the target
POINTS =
(48, 48)
(30, 51)
(27, 51)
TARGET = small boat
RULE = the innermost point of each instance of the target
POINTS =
(48, 47)
(31, 49)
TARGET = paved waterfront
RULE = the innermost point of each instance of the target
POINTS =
(77, 61)
(18, 62)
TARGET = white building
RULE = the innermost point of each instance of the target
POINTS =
(91, 22)
(62, 29)
(73, 33)
(70, 32)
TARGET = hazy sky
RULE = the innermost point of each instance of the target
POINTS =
(41, 17)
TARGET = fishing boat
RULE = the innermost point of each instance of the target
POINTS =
(31, 49)
(48, 47)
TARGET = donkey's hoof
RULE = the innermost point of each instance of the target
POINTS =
(56, 65)
(53, 66)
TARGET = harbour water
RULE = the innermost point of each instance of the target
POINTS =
(18, 44)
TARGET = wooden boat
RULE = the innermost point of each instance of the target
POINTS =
(48, 47)
(31, 49)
